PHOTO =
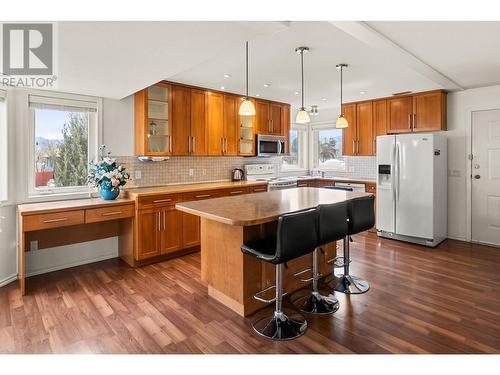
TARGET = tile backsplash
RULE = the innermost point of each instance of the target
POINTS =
(182, 170)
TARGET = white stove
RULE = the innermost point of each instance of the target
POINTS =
(266, 172)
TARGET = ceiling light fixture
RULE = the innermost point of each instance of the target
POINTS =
(246, 107)
(341, 121)
(302, 115)
(267, 84)
(222, 88)
(362, 92)
(314, 110)
(297, 92)
(324, 99)
(227, 75)
(257, 95)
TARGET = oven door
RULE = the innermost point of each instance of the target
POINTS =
(268, 145)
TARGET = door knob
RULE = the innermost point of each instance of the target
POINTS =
(477, 177)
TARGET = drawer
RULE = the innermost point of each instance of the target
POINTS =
(199, 195)
(159, 200)
(53, 220)
(258, 189)
(305, 183)
(235, 191)
(94, 215)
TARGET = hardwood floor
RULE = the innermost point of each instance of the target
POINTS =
(443, 300)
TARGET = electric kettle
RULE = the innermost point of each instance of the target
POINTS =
(238, 174)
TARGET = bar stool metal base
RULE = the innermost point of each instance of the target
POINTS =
(349, 284)
(280, 327)
(315, 303)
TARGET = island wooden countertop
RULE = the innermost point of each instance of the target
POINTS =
(187, 188)
(265, 207)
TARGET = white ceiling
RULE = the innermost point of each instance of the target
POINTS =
(116, 59)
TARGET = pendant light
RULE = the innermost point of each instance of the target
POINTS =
(246, 107)
(302, 115)
(341, 121)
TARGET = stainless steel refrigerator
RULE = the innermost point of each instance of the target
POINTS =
(412, 187)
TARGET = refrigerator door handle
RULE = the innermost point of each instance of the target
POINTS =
(393, 179)
(398, 166)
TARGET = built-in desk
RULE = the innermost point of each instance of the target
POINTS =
(73, 221)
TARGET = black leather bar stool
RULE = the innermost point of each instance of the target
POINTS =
(361, 217)
(332, 226)
(296, 236)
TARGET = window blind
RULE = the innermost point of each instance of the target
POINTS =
(59, 104)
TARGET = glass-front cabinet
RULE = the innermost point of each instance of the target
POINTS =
(153, 127)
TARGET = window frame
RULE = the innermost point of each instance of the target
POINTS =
(4, 149)
(95, 139)
(314, 151)
(302, 154)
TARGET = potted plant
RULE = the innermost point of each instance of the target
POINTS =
(107, 176)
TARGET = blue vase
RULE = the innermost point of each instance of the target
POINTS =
(106, 192)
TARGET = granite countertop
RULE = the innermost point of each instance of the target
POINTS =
(253, 209)
(190, 187)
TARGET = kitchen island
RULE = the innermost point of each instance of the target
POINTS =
(226, 223)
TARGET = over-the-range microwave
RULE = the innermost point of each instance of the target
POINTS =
(270, 145)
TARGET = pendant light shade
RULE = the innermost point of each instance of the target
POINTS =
(302, 115)
(246, 107)
(341, 121)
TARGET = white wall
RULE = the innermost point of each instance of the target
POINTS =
(118, 134)
(460, 104)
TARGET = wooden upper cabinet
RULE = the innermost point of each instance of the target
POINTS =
(215, 135)
(262, 120)
(379, 121)
(364, 120)
(153, 128)
(231, 125)
(429, 111)
(181, 120)
(399, 114)
(276, 118)
(199, 120)
(349, 134)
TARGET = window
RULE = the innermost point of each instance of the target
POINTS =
(64, 140)
(3, 147)
(298, 149)
(327, 148)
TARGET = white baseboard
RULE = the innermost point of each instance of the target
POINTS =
(70, 265)
(8, 280)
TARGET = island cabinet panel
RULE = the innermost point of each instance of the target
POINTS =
(379, 121)
(199, 120)
(148, 233)
(429, 112)
(349, 134)
(262, 120)
(231, 125)
(181, 120)
(215, 136)
(364, 122)
(400, 112)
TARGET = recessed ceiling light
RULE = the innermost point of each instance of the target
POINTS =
(227, 75)
(222, 88)
(257, 95)
(267, 84)
(324, 99)
(362, 92)
(297, 92)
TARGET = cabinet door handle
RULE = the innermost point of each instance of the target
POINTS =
(357, 147)
(55, 220)
(158, 221)
(258, 190)
(414, 121)
(164, 220)
(111, 213)
(189, 144)
(226, 144)
(169, 143)
(354, 146)
(236, 192)
(162, 200)
(202, 196)
(374, 146)
(194, 144)
(222, 145)
(409, 120)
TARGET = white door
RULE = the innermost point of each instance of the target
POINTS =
(414, 185)
(486, 177)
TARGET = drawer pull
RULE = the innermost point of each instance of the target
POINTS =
(111, 213)
(162, 200)
(203, 196)
(236, 192)
(55, 220)
(261, 189)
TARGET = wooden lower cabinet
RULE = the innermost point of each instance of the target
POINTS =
(148, 234)
(190, 230)
(171, 231)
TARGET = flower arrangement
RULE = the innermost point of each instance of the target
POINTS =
(107, 175)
